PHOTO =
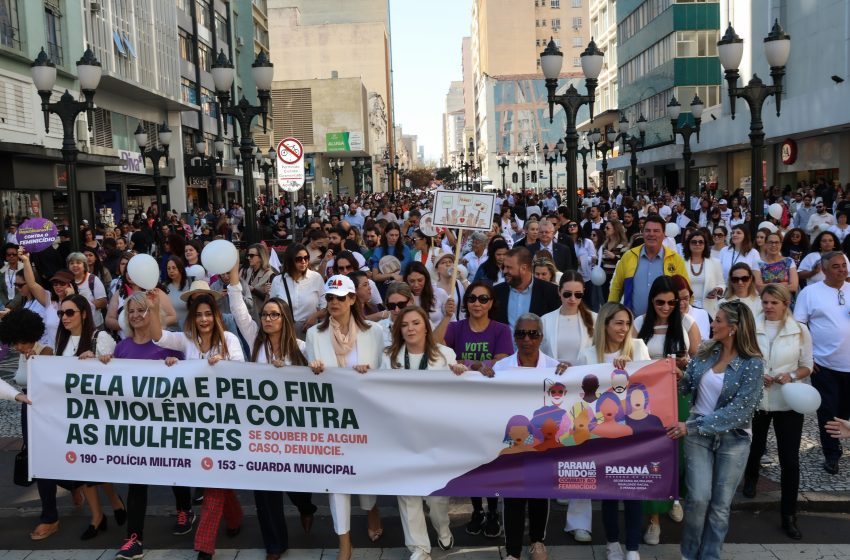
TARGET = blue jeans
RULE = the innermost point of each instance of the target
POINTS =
(714, 468)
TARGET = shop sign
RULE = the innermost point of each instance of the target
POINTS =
(344, 141)
(789, 151)
(197, 182)
(132, 162)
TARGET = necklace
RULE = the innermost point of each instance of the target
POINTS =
(694, 272)
(423, 362)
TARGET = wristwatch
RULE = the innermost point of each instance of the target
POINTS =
(793, 376)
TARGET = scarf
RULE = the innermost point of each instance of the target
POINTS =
(343, 344)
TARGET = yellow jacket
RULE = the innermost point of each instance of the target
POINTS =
(621, 283)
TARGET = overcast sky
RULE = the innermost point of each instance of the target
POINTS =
(426, 51)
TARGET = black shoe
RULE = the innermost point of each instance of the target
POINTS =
(233, 532)
(749, 490)
(789, 525)
(120, 514)
(493, 525)
(204, 556)
(92, 531)
(476, 522)
(831, 466)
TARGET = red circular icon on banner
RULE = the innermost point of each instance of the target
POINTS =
(71, 457)
(206, 463)
(789, 151)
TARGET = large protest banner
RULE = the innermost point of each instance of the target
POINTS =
(526, 432)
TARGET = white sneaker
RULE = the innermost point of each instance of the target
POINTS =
(632, 555)
(677, 514)
(652, 535)
(580, 535)
(614, 551)
(420, 554)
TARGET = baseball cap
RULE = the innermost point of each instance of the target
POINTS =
(723, 201)
(339, 285)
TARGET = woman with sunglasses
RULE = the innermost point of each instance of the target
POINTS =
(742, 287)
(273, 342)
(77, 336)
(528, 336)
(414, 348)
(61, 284)
(699, 316)
(203, 338)
(724, 381)
(259, 272)
(666, 331)
(718, 237)
(398, 297)
(740, 250)
(787, 349)
(138, 345)
(810, 267)
(773, 268)
(345, 339)
(705, 274)
(613, 344)
(301, 288)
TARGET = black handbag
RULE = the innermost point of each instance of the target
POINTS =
(21, 472)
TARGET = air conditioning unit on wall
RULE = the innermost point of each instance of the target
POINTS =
(240, 41)
(95, 7)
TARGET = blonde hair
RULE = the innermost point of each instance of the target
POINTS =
(737, 313)
(780, 292)
(139, 298)
(600, 330)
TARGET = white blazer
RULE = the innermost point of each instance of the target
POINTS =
(713, 279)
(550, 330)
(370, 346)
(792, 348)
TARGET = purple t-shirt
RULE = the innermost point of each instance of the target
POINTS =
(147, 351)
(479, 346)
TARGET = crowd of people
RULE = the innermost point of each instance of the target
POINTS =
(360, 286)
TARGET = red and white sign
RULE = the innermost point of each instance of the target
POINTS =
(789, 152)
(290, 164)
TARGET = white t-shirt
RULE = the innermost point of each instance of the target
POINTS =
(99, 292)
(446, 358)
(710, 385)
(568, 345)
(819, 307)
(730, 256)
(810, 262)
(656, 343)
(104, 346)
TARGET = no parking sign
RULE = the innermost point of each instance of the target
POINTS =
(290, 164)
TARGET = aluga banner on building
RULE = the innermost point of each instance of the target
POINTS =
(593, 432)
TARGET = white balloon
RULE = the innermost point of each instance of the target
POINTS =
(672, 229)
(802, 397)
(769, 225)
(598, 276)
(196, 271)
(775, 211)
(144, 271)
(219, 256)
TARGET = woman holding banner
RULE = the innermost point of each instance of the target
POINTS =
(613, 343)
(203, 338)
(345, 339)
(272, 342)
(139, 346)
(725, 383)
(413, 347)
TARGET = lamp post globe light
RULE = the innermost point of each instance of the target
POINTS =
(210, 162)
(243, 113)
(522, 163)
(603, 144)
(634, 143)
(362, 168)
(730, 50)
(571, 101)
(336, 168)
(43, 73)
(674, 109)
(585, 149)
(155, 154)
(503, 162)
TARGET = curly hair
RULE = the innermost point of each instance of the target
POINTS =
(21, 325)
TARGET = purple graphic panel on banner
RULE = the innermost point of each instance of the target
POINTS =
(37, 234)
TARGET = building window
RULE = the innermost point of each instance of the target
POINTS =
(710, 95)
(699, 43)
(53, 30)
(205, 56)
(188, 91)
(9, 24)
(576, 23)
(556, 24)
(187, 48)
(577, 42)
(576, 3)
(577, 61)
(184, 5)
(555, 4)
(208, 103)
(203, 13)
(542, 23)
(221, 28)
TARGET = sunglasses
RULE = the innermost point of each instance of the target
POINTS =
(59, 283)
(302, 258)
(741, 279)
(482, 299)
(719, 234)
(332, 297)
(697, 242)
(568, 295)
(66, 313)
(392, 306)
(345, 268)
(252, 255)
(666, 302)
(21, 285)
(15, 254)
(533, 335)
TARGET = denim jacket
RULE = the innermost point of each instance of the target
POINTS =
(739, 397)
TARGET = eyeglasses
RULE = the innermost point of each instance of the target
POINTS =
(568, 295)
(392, 306)
(840, 297)
(66, 313)
(741, 279)
(666, 302)
(302, 258)
(331, 297)
(483, 299)
(533, 335)
(273, 316)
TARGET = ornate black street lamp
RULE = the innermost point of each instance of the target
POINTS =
(583, 152)
(634, 143)
(336, 168)
(571, 101)
(674, 109)
(391, 169)
(43, 73)
(522, 163)
(730, 49)
(155, 155)
(503, 162)
(210, 162)
(551, 157)
(243, 113)
(602, 148)
(265, 165)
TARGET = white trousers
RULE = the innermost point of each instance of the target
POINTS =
(340, 505)
(413, 521)
(579, 515)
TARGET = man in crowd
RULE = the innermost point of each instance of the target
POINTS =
(519, 293)
(564, 256)
(819, 221)
(803, 213)
(475, 258)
